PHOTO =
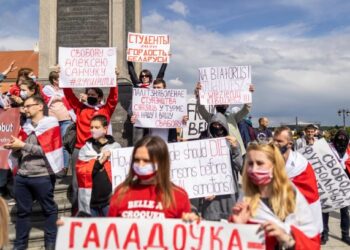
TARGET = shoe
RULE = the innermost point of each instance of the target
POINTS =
(62, 173)
(346, 239)
(324, 239)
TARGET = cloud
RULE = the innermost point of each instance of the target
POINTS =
(179, 8)
(176, 82)
(295, 75)
(17, 43)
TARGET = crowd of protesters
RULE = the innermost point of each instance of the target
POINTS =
(278, 189)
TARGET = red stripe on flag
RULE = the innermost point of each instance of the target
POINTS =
(84, 173)
(50, 140)
(307, 184)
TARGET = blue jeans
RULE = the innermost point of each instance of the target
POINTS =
(99, 211)
(26, 190)
(63, 126)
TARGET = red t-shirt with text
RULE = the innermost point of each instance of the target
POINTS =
(140, 201)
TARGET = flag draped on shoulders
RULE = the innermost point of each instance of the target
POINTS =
(300, 224)
(301, 173)
(48, 134)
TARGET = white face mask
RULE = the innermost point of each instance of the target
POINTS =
(23, 94)
(148, 170)
(96, 134)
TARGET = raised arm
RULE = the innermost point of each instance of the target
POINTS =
(133, 76)
(112, 100)
(161, 72)
(72, 99)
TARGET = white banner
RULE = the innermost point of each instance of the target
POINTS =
(116, 233)
(225, 85)
(202, 167)
(159, 108)
(148, 48)
(87, 67)
(333, 183)
(195, 124)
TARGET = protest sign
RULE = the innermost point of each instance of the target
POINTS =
(202, 168)
(332, 181)
(225, 85)
(148, 48)
(87, 67)
(195, 124)
(117, 233)
(9, 125)
(159, 108)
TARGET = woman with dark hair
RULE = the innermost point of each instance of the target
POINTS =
(147, 191)
(271, 200)
(145, 78)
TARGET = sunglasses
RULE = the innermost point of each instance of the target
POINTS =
(142, 76)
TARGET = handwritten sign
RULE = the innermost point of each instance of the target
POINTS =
(9, 125)
(333, 183)
(225, 85)
(195, 124)
(149, 48)
(87, 67)
(159, 108)
(202, 168)
(117, 233)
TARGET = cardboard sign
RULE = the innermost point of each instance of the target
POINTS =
(117, 233)
(333, 183)
(9, 125)
(195, 124)
(202, 168)
(148, 48)
(87, 67)
(159, 108)
(225, 85)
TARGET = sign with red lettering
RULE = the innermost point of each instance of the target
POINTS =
(87, 67)
(148, 48)
(117, 233)
(332, 182)
(9, 125)
(159, 108)
(225, 85)
(202, 168)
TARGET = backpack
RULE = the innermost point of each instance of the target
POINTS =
(70, 138)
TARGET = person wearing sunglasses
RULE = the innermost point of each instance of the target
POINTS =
(145, 78)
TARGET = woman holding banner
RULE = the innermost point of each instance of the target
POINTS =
(145, 78)
(147, 191)
(271, 200)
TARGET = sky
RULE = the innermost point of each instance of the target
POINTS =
(299, 50)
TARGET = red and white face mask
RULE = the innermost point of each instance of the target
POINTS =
(145, 172)
(260, 177)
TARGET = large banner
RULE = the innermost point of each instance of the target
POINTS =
(225, 85)
(148, 48)
(333, 183)
(117, 233)
(202, 168)
(195, 124)
(87, 67)
(159, 108)
(9, 125)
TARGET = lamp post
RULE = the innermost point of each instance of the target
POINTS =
(344, 112)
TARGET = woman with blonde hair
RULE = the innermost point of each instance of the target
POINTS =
(271, 200)
(4, 221)
(147, 191)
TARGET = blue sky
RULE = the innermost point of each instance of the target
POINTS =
(299, 50)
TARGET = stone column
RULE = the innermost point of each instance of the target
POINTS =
(47, 36)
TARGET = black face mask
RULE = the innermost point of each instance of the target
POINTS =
(283, 149)
(92, 100)
(217, 132)
(221, 109)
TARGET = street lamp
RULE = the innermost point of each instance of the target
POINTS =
(345, 112)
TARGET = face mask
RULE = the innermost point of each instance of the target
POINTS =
(96, 134)
(33, 77)
(145, 172)
(218, 132)
(92, 100)
(23, 94)
(283, 149)
(260, 177)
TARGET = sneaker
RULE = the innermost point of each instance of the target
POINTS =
(62, 173)
(324, 239)
(346, 239)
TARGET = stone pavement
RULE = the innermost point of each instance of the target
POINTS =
(335, 242)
